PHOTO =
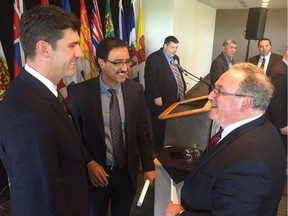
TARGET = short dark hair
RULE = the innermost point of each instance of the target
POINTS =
(170, 39)
(106, 45)
(45, 22)
(264, 39)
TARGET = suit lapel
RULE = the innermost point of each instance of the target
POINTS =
(230, 138)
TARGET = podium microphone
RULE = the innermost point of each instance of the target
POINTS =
(186, 72)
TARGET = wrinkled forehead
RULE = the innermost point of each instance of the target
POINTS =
(230, 80)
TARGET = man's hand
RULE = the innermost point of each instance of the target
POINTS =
(158, 101)
(151, 175)
(173, 209)
(97, 174)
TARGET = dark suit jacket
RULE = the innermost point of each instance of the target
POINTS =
(274, 58)
(42, 152)
(160, 81)
(85, 103)
(218, 67)
(277, 111)
(244, 174)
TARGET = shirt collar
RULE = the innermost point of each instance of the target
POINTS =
(42, 79)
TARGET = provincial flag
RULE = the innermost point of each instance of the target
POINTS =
(44, 2)
(19, 57)
(5, 78)
(96, 27)
(66, 83)
(140, 45)
(122, 34)
(88, 61)
(108, 23)
(132, 43)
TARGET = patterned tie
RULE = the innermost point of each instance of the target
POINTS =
(263, 63)
(116, 131)
(213, 141)
(61, 100)
(178, 79)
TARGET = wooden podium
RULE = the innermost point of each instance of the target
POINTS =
(187, 123)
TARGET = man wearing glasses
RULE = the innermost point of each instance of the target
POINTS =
(113, 119)
(244, 173)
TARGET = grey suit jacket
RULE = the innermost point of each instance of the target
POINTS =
(42, 152)
(244, 174)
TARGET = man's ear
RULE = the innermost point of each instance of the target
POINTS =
(247, 102)
(43, 48)
(101, 62)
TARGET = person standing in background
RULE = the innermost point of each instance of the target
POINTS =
(266, 59)
(116, 151)
(244, 172)
(277, 110)
(164, 85)
(40, 146)
(224, 61)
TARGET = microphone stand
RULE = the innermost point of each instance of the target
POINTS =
(186, 73)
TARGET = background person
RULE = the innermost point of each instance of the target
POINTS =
(163, 87)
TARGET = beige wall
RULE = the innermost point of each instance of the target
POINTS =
(232, 23)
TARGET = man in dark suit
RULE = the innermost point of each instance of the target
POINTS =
(277, 110)
(244, 173)
(41, 148)
(224, 61)
(161, 86)
(90, 101)
(264, 48)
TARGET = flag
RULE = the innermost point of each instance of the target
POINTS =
(140, 45)
(5, 78)
(19, 57)
(65, 85)
(44, 2)
(96, 26)
(122, 34)
(132, 43)
(108, 23)
(88, 61)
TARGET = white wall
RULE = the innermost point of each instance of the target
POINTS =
(191, 22)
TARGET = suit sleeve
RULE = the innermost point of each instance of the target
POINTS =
(31, 142)
(215, 71)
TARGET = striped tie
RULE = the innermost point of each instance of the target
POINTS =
(263, 63)
(178, 79)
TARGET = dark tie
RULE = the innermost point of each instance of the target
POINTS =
(213, 141)
(178, 79)
(116, 130)
(61, 100)
(262, 64)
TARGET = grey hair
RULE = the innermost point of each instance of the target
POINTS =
(256, 84)
(229, 41)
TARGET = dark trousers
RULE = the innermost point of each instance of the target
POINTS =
(119, 193)
(158, 128)
(3, 176)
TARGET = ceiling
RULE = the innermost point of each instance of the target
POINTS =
(243, 4)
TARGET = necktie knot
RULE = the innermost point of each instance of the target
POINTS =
(263, 63)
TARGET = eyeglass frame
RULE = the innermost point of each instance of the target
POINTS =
(120, 63)
(218, 92)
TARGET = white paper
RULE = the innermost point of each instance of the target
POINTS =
(143, 193)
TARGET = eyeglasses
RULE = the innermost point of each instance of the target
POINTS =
(120, 63)
(218, 92)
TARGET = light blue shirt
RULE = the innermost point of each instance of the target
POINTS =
(105, 101)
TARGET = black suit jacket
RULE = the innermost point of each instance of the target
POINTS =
(218, 67)
(42, 152)
(160, 81)
(85, 103)
(274, 58)
(277, 111)
(244, 174)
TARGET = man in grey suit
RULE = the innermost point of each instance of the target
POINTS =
(244, 173)
(89, 101)
(40, 146)
(224, 61)
(264, 48)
